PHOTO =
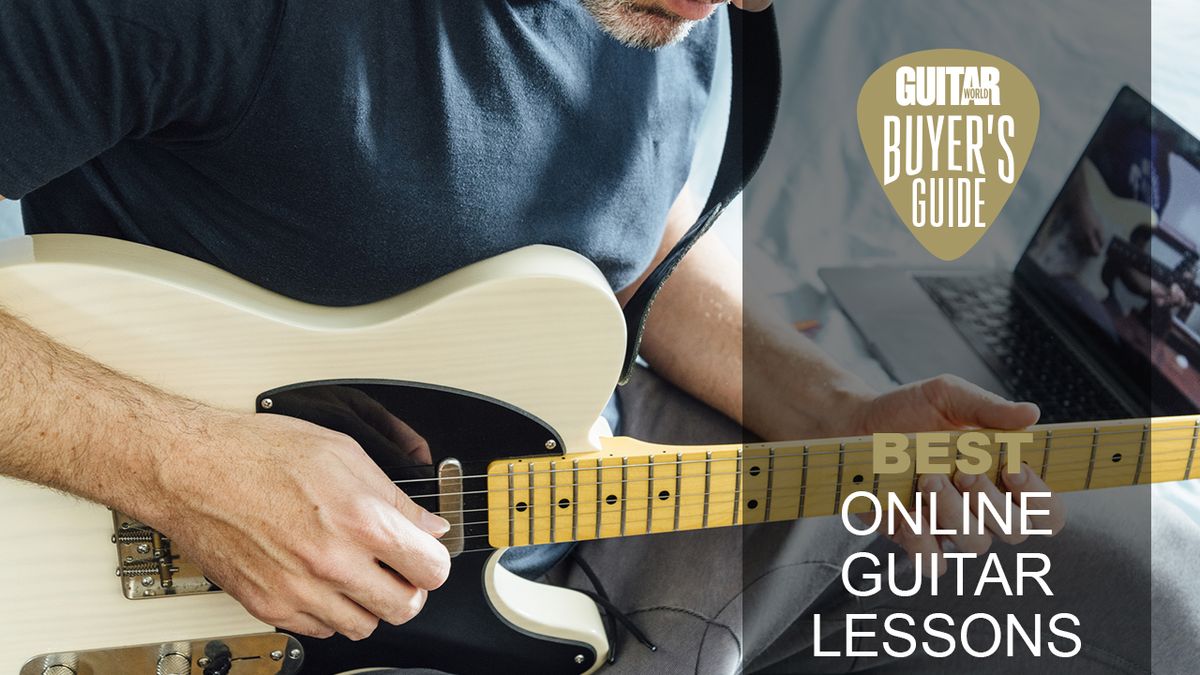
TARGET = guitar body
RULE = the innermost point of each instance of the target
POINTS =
(532, 339)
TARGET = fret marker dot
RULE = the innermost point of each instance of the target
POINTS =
(664, 495)
(521, 506)
(754, 470)
(752, 504)
(858, 478)
(611, 499)
(1116, 457)
(564, 503)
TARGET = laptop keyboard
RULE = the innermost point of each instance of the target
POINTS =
(1034, 363)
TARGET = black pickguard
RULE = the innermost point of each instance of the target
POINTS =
(457, 632)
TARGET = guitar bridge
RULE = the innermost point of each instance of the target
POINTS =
(147, 567)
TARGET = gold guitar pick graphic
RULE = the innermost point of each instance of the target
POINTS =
(948, 133)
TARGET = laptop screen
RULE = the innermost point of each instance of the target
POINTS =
(1116, 257)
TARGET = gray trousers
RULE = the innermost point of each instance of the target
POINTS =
(743, 599)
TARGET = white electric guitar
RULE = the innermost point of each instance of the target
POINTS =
(503, 367)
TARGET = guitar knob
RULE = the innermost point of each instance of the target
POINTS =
(59, 670)
(174, 663)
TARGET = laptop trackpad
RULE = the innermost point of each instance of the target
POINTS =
(903, 327)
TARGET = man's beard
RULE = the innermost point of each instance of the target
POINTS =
(637, 25)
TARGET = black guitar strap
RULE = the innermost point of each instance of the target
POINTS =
(752, 112)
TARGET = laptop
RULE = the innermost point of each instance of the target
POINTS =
(1098, 320)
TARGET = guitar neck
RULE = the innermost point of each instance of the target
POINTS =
(632, 488)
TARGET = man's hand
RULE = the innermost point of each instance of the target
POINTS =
(950, 403)
(300, 526)
(292, 519)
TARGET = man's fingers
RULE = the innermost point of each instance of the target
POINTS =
(430, 522)
(966, 405)
(1028, 481)
(307, 624)
(972, 486)
(383, 593)
(950, 514)
(923, 545)
(346, 616)
(415, 555)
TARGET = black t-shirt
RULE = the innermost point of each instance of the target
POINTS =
(342, 152)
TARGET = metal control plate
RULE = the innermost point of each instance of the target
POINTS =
(259, 654)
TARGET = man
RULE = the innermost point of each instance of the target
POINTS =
(344, 152)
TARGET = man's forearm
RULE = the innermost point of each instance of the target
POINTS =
(737, 356)
(72, 424)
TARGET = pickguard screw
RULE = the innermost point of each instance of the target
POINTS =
(294, 654)
(551, 444)
(202, 662)
(267, 404)
(276, 655)
(579, 658)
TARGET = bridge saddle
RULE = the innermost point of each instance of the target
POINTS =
(147, 567)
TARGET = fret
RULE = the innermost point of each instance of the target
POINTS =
(1045, 454)
(662, 492)
(707, 485)
(575, 500)
(737, 488)
(690, 495)
(723, 487)
(650, 494)
(1091, 468)
(1137, 475)
(803, 480)
(553, 500)
(770, 483)
(787, 483)
(755, 477)
(637, 496)
(1001, 461)
(599, 501)
(837, 493)
(996, 451)
(820, 486)
(612, 509)
(624, 492)
(1114, 463)
(678, 488)
(1192, 453)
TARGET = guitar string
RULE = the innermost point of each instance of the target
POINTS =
(829, 490)
(804, 453)
(1159, 455)
(1096, 465)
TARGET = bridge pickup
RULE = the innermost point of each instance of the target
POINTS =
(450, 503)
